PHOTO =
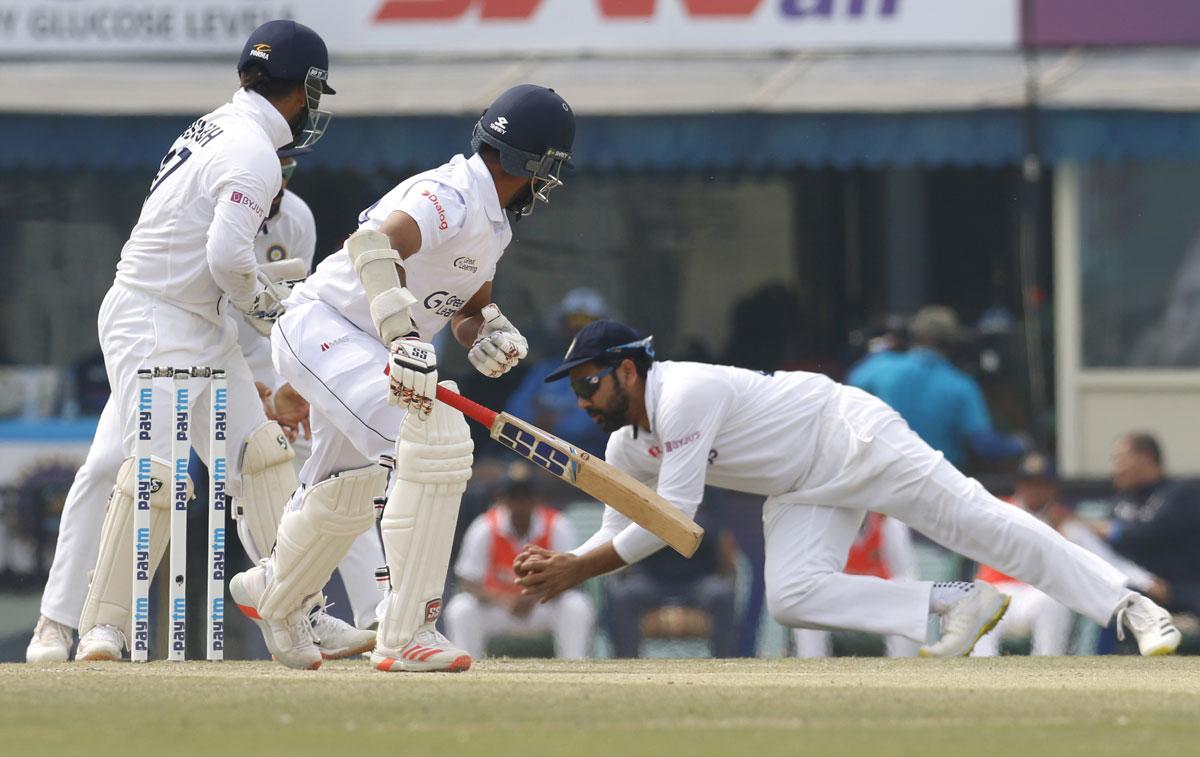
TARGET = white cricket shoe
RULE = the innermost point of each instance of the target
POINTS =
(51, 642)
(336, 638)
(289, 640)
(101, 642)
(428, 652)
(1151, 625)
(965, 621)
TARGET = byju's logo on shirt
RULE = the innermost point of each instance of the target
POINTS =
(237, 198)
(674, 444)
(437, 206)
(500, 125)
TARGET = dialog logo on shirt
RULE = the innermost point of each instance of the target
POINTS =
(437, 205)
(242, 199)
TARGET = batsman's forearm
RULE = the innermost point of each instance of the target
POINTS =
(466, 330)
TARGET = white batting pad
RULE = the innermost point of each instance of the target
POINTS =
(314, 537)
(111, 590)
(433, 463)
(268, 480)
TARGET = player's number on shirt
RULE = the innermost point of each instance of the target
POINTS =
(171, 161)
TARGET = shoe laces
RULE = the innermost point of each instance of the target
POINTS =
(51, 630)
(1140, 616)
(428, 634)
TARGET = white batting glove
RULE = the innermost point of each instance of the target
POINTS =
(264, 308)
(413, 375)
(499, 346)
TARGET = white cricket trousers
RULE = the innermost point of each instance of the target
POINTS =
(1031, 613)
(570, 617)
(339, 369)
(872, 460)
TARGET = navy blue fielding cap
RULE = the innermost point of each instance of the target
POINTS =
(287, 50)
(602, 341)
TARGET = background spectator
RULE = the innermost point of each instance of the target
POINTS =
(1156, 521)
(943, 404)
(553, 406)
(705, 581)
(489, 602)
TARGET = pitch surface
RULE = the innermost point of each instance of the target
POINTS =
(1012, 705)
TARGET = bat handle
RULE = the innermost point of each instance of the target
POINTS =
(469, 408)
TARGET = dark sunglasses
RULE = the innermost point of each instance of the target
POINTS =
(586, 386)
(288, 169)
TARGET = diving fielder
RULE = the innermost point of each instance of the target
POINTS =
(188, 259)
(424, 256)
(823, 454)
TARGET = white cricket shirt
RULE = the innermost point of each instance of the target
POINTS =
(463, 235)
(194, 239)
(292, 233)
(728, 427)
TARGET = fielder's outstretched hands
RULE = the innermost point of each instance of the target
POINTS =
(414, 375)
(545, 574)
(499, 346)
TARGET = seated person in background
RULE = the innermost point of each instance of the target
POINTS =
(554, 406)
(666, 579)
(1156, 522)
(489, 602)
(882, 548)
(942, 403)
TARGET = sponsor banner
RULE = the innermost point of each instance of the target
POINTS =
(1113, 22)
(174, 29)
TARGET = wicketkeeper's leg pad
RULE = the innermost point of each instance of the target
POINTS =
(268, 481)
(110, 594)
(314, 537)
(433, 463)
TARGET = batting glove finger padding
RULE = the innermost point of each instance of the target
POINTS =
(500, 345)
(413, 375)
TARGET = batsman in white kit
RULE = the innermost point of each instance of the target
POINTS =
(355, 343)
(823, 454)
(284, 248)
(189, 257)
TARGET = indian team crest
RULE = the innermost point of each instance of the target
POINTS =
(276, 252)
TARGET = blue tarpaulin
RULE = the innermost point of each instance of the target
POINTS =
(739, 141)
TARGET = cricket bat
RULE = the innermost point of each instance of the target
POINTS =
(610, 485)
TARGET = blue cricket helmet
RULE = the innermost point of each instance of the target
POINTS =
(291, 51)
(533, 129)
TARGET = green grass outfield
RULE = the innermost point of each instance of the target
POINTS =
(847, 706)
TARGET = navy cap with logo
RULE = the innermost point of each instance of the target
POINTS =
(289, 51)
(603, 342)
(1036, 466)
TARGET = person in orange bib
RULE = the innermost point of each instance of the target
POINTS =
(489, 601)
(883, 549)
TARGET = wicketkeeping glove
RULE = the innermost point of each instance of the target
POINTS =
(265, 308)
(414, 375)
(499, 346)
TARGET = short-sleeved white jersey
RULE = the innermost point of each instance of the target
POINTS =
(194, 239)
(728, 427)
(463, 235)
(292, 233)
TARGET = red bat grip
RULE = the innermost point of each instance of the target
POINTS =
(469, 408)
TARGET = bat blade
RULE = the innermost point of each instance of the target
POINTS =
(609, 484)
